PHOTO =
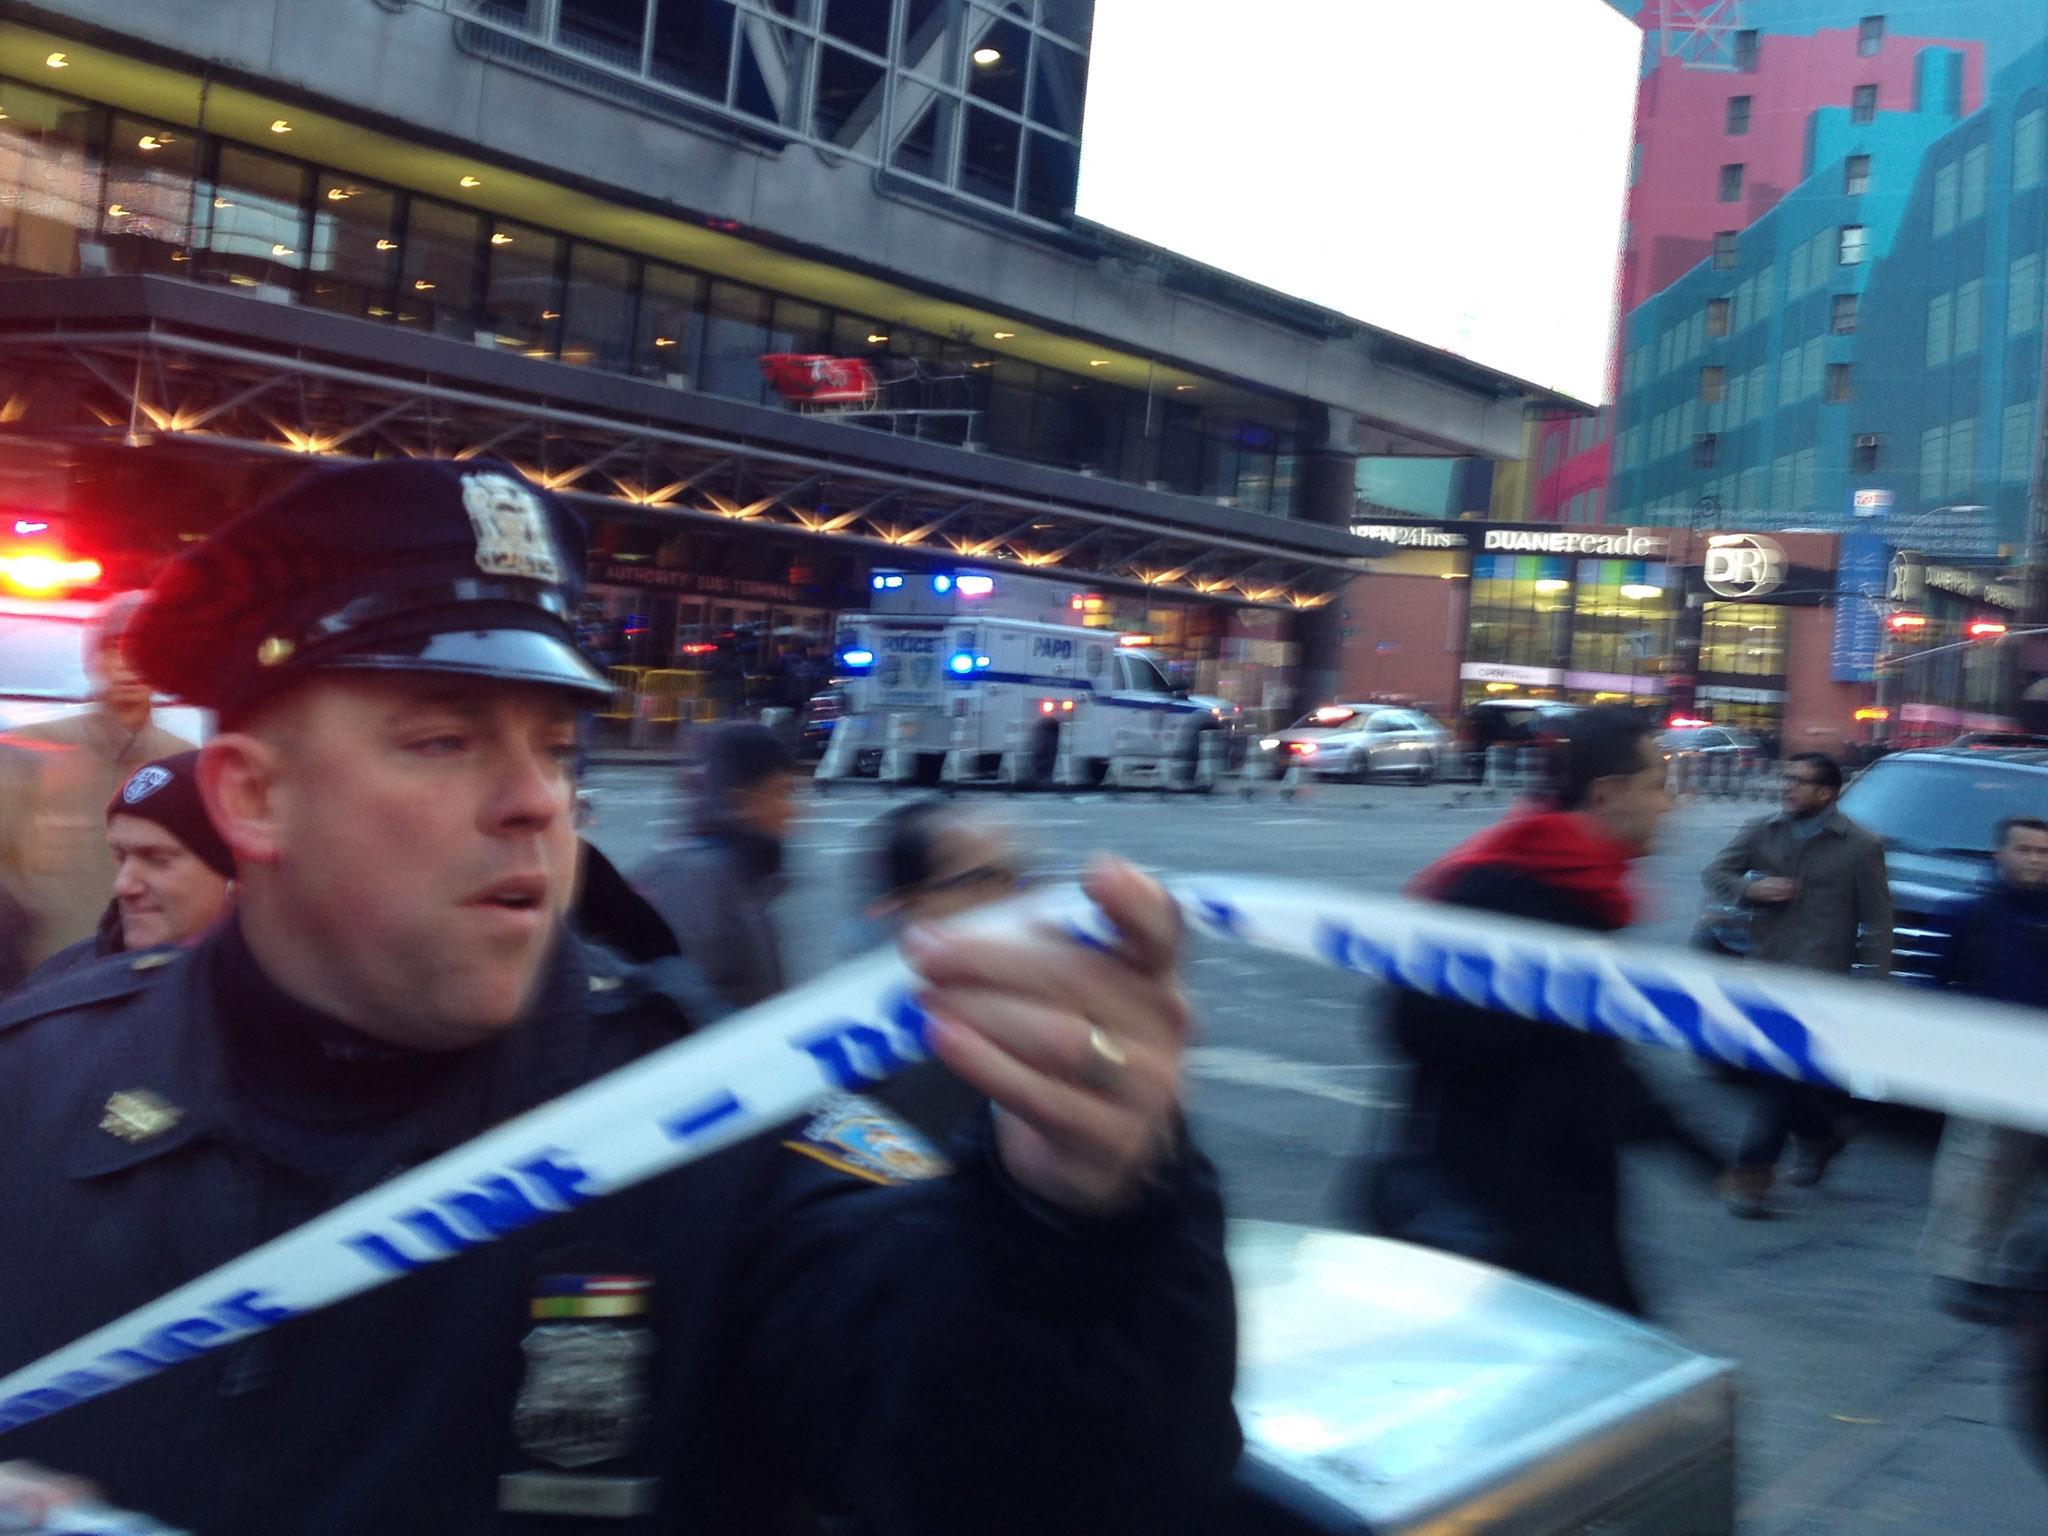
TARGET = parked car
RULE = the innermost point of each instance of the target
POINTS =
(1710, 741)
(1358, 742)
(1938, 810)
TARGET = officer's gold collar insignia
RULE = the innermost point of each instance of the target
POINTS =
(137, 1114)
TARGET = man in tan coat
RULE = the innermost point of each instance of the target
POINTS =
(56, 778)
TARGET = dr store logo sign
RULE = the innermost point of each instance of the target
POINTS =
(1743, 565)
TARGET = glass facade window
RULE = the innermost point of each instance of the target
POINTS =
(1726, 252)
(1742, 640)
(254, 228)
(1856, 175)
(1842, 314)
(1969, 317)
(1933, 464)
(151, 196)
(51, 167)
(1870, 36)
(1712, 385)
(353, 263)
(437, 276)
(2016, 446)
(1962, 455)
(669, 331)
(2029, 148)
(1836, 386)
(1717, 317)
(1865, 451)
(1863, 104)
(735, 336)
(2023, 295)
(1731, 184)
(596, 326)
(1851, 247)
(1946, 188)
(522, 303)
(1738, 116)
(1976, 172)
(1940, 328)
(1621, 618)
(1520, 610)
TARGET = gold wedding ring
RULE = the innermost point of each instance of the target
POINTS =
(1108, 1056)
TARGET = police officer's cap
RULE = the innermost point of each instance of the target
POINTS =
(405, 565)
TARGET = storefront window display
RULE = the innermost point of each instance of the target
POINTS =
(1521, 610)
(1621, 623)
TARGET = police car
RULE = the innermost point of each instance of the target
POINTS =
(1000, 674)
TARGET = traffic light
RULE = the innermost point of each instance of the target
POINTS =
(1985, 629)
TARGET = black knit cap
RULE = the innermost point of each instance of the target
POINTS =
(405, 565)
(167, 793)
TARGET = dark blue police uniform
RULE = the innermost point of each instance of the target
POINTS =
(818, 1324)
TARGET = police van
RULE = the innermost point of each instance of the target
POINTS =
(1003, 673)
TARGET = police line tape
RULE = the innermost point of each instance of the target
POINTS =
(860, 1023)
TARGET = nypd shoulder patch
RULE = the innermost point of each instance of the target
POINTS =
(858, 1136)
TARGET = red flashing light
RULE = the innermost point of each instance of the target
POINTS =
(1984, 629)
(1906, 623)
(699, 648)
(1045, 706)
(1134, 641)
(1686, 722)
(40, 575)
(1873, 714)
(1067, 706)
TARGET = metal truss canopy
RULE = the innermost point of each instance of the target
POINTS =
(130, 386)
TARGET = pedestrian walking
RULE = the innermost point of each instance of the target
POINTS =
(717, 889)
(1814, 887)
(928, 861)
(792, 1333)
(55, 779)
(1509, 1150)
(1982, 1172)
(172, 872)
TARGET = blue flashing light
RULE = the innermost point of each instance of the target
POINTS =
(962, 662)
(892, 582)
(857, 657)
(879, 582)
(980, 661)
(976, 586)
(942, 584)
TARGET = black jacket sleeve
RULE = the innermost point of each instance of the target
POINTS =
(944, 1356)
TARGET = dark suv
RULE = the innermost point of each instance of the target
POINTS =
(1938, 812)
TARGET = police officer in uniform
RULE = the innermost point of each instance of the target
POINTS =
(825, 1324)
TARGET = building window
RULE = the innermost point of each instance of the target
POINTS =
(2016, 449)
(1717, 317)
(1703, 448)
(1863, 449)
(1713, 385)
(1933, 464)
(1748, 44)
(1813, 360)
(1836, 389)
(1863, 104)
(1945, 190)
(1738, 116)
(1842, 317)
(1856, 175)
(1962, 454)
(1731, 183)
(2029, 139)
(1969, 317)
(597, 312)
(1940, 324)
(1724, 249)
(522, 301)
(2023, 295)
(437, 277)
(355, 248)
(1976, 171)
(1850, 248)
(1869, 36)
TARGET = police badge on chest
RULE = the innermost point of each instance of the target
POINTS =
(584, 1398)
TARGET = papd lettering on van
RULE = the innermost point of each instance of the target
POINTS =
(910, 645)
(1044, 646)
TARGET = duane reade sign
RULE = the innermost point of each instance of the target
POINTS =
(1628, 543)
(1743, 565)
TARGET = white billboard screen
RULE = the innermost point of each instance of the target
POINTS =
(1453, 171)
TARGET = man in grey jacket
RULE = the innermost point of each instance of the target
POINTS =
(717, 890)
(1814, 886)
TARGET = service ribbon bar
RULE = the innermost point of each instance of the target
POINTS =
(858, 1024)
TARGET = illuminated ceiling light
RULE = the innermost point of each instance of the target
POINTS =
(149, 143)
(280, 250)
(58, 61)
(279, 125)
(180, 256)
(422, 285)
(501, 238)
(1552, 584)
(379, 312)
(876, 338)
(1098, 362)
(551, 314)
(986, 56)
(664, 341)
(387, 245)
(1181, 389)
(116, 211)
(241, 280)
(470, 181)
(340, 194)
(1635, 591)
(221, 202)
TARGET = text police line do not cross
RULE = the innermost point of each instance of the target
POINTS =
(858, 1024)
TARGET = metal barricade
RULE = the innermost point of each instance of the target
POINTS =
(624, 703)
